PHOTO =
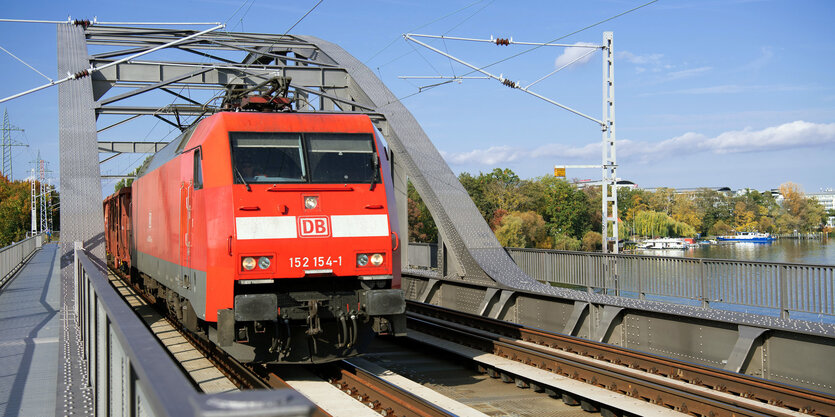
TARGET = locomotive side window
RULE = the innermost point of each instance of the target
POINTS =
(198, 170)
(267, 157)
(340, 157)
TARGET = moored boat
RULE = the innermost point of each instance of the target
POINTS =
(754, 237)
(663, 243)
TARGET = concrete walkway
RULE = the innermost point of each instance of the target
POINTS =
(29, 330)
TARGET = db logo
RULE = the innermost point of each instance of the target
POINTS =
(313, 226)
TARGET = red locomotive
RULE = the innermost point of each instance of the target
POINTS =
(273, 233)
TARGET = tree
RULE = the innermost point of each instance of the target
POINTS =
(712, 206)
(684, 210)
(653, 223)
(801, 213)
(15, 210)
(720, 228)
(421, 224)
(523, 230)
(565, 242)
(592, 241)
(662, 200)
(567, 209)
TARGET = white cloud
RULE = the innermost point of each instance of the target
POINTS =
(574, 52)
(786, 136)
(653, 60)
(677, 75)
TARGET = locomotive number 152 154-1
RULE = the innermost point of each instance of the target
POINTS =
(315, 261)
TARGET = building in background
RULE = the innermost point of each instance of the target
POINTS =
(827, 199)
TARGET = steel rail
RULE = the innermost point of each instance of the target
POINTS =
(240, 374)
(675, 382)
(244, 376)
(381, 395)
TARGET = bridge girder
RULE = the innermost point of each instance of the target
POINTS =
(475, 272)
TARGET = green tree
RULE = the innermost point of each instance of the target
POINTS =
(421, 224)
(712, 206)
(15, 210)
(567, 209)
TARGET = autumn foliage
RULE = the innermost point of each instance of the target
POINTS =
(548, 212)
(15, 210)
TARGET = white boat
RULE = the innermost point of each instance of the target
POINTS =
(663, 243)
(747, 237)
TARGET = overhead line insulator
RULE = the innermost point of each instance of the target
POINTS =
(81, 74)
(509, 83)
(502, 41)
(83, 23)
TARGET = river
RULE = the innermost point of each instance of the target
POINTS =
(798, 251)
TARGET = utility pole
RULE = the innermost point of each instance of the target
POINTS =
(8, 143)
(39, 191)
(609, 194)
(34, 203)
(43, 193)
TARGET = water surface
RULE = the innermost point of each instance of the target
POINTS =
(798, 251)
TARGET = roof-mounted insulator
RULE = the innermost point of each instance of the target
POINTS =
(83, 23)
(81, 74)
(509, 83)
(502, 41)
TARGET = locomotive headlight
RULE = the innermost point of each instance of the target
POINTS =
(263, 262)
(376, 259)
(310, 202)
(248, 263)
(362, 259)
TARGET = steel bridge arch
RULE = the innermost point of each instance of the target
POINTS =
(340, 82)
(475, 273)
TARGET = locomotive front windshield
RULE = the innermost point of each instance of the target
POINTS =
(325, 158)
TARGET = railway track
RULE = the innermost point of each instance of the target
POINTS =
(676, 385)
(376, 394)
(669, 384)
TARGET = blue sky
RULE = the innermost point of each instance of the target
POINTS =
(708, 93)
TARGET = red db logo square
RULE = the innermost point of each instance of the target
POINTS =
(313, 226)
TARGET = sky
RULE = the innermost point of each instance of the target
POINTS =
(711, 93)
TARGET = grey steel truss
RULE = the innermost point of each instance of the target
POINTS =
(323, 78)
(187, 81)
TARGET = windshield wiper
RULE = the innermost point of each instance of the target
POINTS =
(376, 162)
(248, 188)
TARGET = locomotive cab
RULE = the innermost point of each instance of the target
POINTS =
(315, 254)
(272, 232)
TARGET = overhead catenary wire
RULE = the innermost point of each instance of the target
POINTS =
(388, 45)
(95, 22)
(24, 63)
(427, 87)
(86, 72)
(505, 81)
(302, 18)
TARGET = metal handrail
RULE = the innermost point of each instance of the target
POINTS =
(117, 342)
(724, 283)
(12, 257)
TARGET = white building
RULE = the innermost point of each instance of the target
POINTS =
(827, 200)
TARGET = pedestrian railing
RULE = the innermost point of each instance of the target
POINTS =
(782, 287)
(131, 374)
(12, 257)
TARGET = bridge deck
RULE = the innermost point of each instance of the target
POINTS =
(30, 323)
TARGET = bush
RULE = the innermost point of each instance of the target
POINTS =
(592, 241)
(565, 242)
